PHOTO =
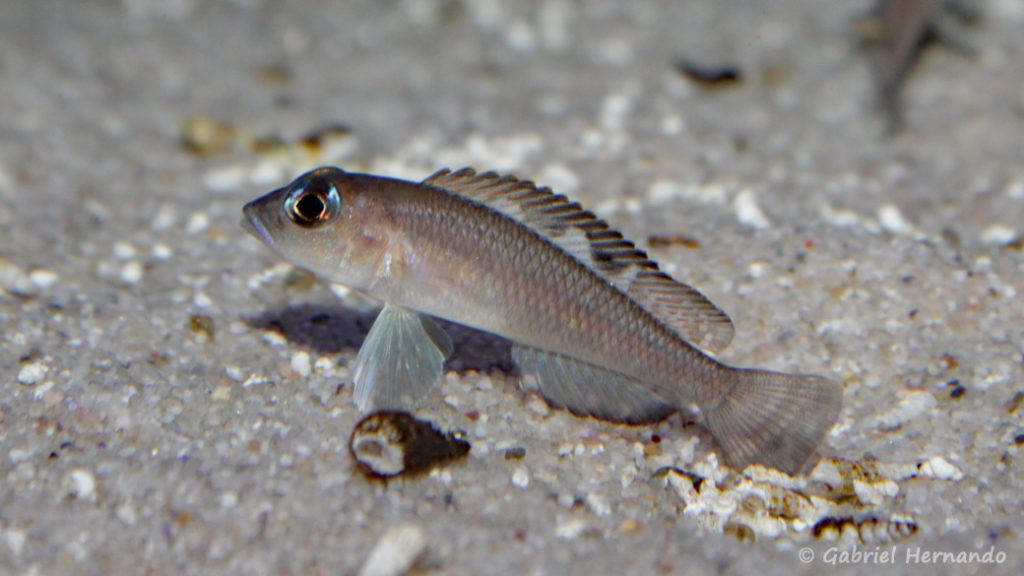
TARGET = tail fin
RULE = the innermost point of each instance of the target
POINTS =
(774, 419)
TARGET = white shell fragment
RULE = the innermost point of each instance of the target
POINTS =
(571, 529)
(910, 407)
(43, 279)
(14, 280)
(998, 234)
(31, 374)
(837, 502)
(941, 469)
(747, 210)
(396, 552)
(301, 364)
(891, 219)
(81, 483)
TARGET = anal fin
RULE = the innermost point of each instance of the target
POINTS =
(589, 390)
(400, 361)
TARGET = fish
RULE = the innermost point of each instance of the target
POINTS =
(596, 327)
(897, 31)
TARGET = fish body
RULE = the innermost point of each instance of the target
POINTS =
(597, 328)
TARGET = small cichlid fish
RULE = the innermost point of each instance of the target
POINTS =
(596, 327)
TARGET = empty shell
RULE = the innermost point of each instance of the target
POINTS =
(389, 443)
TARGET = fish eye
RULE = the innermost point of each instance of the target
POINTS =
(313, 202)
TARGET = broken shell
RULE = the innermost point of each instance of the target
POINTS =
(389, 443)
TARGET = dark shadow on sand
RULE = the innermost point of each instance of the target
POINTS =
(327, 329)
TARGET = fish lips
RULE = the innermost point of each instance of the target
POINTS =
(253, 224)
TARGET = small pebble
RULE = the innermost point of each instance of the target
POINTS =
(31, 374)
(990, 381)
(162, 252)
(132, 272)
(255, 380)
(126, 513)
(747, 210)
(197, 222)
(15, 540)
(14, 280)
(560, 178)
(538, 406)
(124, 251)
(615, 111)
(515, 453)
(301, 364)
(205, 136)
(521, 478)
(202, 326)
(891, 219)
(202, 300)
(1015, 189)
(757, 269)
(672, 125)
(629, 525)
(164, 219)
(1015, 402)
(941, 469)
(235, 373)
(998, 234)
(228, 500)
(520, 35)
(324, 365)
(874, 493)
(18, 455)
(598, 504)
(566, 500)
(274, 338)
(827, 472)
(226, 179)
(912, 405)
(571, 529)
(43, 279)
(53, 397)
(81, 484)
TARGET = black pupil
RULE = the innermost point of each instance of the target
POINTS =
(310, 206)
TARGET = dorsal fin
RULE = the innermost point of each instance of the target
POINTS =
(592, 242)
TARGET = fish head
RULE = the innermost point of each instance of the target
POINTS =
(322, 221)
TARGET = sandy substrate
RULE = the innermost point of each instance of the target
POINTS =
(176, 400)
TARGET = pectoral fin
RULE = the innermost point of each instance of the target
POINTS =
(589, 390)
(401, 359)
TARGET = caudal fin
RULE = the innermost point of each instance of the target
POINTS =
(774, 419)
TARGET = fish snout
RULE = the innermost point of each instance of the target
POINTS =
(252, 223)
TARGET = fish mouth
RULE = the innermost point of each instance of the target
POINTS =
(253, 225)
